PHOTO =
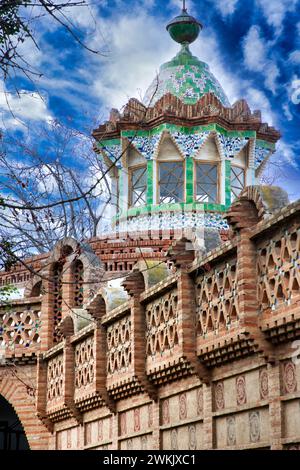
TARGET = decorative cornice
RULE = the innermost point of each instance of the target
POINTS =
(170, 109)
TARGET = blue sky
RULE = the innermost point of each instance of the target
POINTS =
(252, 47)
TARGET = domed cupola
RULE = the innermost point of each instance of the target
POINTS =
(178, 160)
(185, 76)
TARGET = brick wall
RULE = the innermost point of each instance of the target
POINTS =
(204, 359)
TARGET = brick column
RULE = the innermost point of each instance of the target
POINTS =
(47, 316)
(69, 371)
(208, 425)
(115, 431)
(247, 280)
(67, 289)
(138, 325)
(97, 309)
(101, 364)
(187, 323)
(41, 392)
(275, 407)
(156, 434)
(135, 285)
(247, 293)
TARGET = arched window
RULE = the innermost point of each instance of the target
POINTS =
(78, 287)
(207, 182)
(36, 290)
(237, 181)
(170, 172)
(57, 300)
(138, 186)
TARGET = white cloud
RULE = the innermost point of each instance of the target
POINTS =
(258, 100)
(256, 50)
(294, 57)
(287, 152)
(287, 112)
(207, 49)
(176, 6)
(275, 12)
(24, 106)
(226, 7)
(139, 44)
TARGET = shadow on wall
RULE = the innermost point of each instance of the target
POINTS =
(12, 435)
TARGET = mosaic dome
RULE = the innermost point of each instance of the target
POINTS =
(185, 77)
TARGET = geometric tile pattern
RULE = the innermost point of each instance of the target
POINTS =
(20, 328)
(55, 378)
(289, 377)
(262, 151)
(189, 144)
(217, 299)
(119, 346)
(162, 324)
(232, 145)
(180, 220)
(84, 363)
(187, 82)
(78, 287)
(146, 145)
(57, 301)
(278, 264)
(231, 431)
(263, 384)
(219, 398)
(113, 151)
(254, 426)
(241, 397)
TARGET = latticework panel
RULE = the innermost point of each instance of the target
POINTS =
(217, 299)
(278, 268)
(57, 301)
(162, 324)
(20, 328)
(55, 379)
(78, 289)
(84, 363)
(119, 352)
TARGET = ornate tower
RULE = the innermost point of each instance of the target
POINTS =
(179, 158)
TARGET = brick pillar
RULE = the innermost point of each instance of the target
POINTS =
(275, 407)
(67, 289)
(47, 316)
(187, 323)
(115, 431)
(156, 434)
(138, 325)
(135, 286)
(69, 382)
(247, 293)
(208, 425)
(101, 364)
(69, 371)
(41, 393)
(247, 280)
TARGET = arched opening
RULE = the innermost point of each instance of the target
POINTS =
(12, 434)
(57, 272)
(78, 287)
(36, 290)
(170, 172)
